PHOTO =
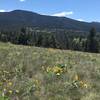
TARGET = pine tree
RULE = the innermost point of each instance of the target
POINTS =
(92, 44)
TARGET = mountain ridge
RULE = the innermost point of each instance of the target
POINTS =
(17, 19)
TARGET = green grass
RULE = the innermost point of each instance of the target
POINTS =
(28, 73)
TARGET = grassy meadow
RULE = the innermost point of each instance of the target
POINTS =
(32, 73)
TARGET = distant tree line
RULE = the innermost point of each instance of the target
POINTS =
(89, 42)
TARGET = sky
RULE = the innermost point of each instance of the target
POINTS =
(82, 10)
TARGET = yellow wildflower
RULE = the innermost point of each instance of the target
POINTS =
(57, 70)
(48, 69)
(85, 85)
(10, 83)
(10, 91)
(81, 83)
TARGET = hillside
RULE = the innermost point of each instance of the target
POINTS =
(32, 73)
(17, 19)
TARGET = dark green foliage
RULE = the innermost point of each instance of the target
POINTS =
(54, 38)
(92, 43)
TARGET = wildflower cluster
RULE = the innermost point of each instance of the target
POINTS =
(37, 83)
(57, 69)
(6, 84)
(79, 83)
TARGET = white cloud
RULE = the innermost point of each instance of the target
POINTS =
(2, 10)
(81, 20)
(63, 14)
(21, 0)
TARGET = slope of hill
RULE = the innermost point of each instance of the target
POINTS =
(31, 73)
(18, 18)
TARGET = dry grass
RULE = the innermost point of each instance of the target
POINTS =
(31, 73)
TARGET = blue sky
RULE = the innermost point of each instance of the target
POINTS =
(84, 10)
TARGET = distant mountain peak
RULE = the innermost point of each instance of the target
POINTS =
(18, 10)
(22, 18)
(23, 11)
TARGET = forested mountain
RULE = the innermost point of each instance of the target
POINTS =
(17, 19)
(28, 28)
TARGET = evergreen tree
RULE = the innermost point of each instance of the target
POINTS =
(92, 44)
(23, 37)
